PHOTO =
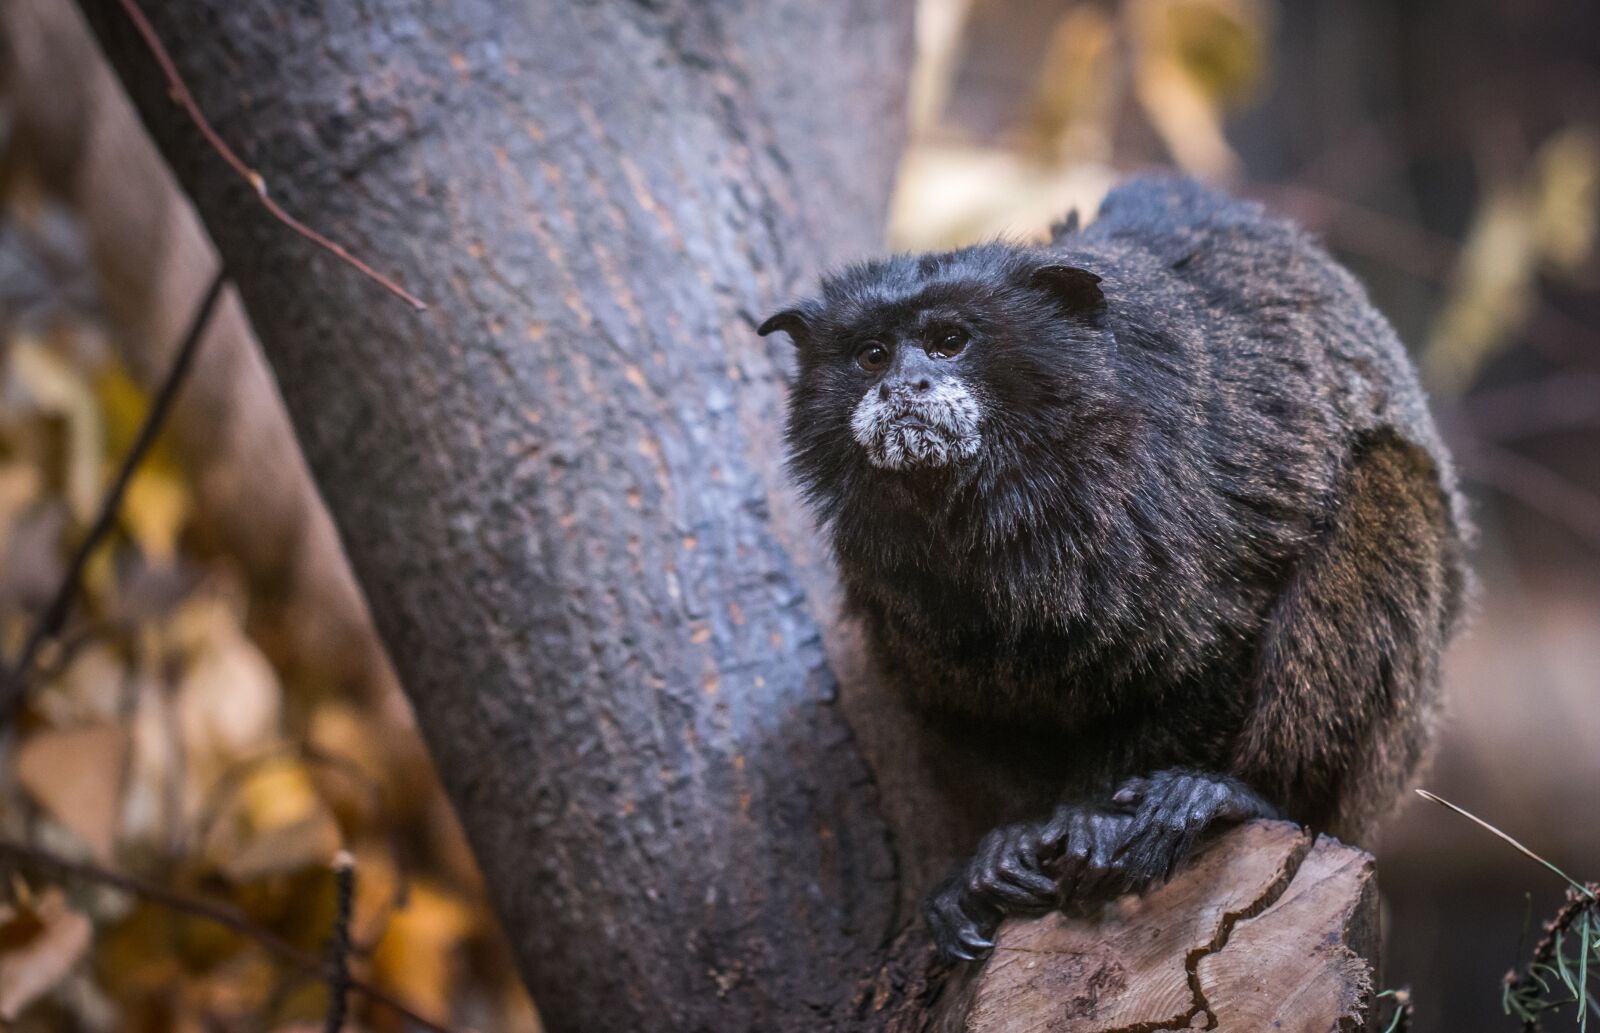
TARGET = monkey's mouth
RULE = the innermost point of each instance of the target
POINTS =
(929, 429)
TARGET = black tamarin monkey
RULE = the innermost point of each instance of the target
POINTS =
(1156, 509)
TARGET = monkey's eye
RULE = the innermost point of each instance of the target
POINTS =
(948, 342)
(872, 356)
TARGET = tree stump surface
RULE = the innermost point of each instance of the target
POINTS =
(1269, 928)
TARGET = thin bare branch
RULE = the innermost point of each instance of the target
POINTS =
(212, 911)
(1560, 402)
(1515, 844)
(344, 874)
(185, 99)
(1539, 488)
(13, 684)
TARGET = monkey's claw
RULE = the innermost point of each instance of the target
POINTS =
(1008, 874)
(958, 934)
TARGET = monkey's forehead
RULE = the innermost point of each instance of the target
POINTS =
(967, 282)
(911, 308)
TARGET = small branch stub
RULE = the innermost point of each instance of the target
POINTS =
(1267, 929)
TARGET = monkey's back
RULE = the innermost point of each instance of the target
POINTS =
(1289, 353)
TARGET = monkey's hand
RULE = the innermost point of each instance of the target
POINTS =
(1169, 812)
(1022, 869)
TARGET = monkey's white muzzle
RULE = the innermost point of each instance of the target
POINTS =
(910, 428)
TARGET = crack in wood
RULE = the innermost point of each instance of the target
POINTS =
(1270, 896)
(1176, 958)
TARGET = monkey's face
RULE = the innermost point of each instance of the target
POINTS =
(916, 408)
(913, 368)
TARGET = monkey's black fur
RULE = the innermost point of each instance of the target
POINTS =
(1202, 562)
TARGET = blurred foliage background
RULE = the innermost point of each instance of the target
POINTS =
(219, 719)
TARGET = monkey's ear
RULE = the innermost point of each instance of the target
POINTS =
(791, 321)
(1078, 290)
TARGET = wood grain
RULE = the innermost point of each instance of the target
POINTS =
(1262, 931)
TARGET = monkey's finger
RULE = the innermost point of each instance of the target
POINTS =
(1099, 838)
(979, 876)
(1055, 832)
(1021, 886)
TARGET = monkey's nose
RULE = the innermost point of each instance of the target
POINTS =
(922, 385)
(883, 392)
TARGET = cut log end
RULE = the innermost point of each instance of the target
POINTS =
(1266, 929)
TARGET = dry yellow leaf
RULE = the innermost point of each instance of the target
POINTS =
(76, 776)
(415, 953)
(57, 387)
(154, 512)
(1566, 198)
(275, 823)
(1193, 60)
(1219, 45)
(123, 405)
(1073, 98)
(354, 780)
(153, 948)
(40, 944)
(158, 503)
(1490, 294)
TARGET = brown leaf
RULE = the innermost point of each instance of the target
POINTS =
(228, 701)
(76, 776)
(40, 943)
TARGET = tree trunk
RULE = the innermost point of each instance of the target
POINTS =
(556, 485)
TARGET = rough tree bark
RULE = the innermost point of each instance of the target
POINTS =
(561, 491)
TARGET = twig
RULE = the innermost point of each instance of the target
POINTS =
(1441, 801)
(1539, 488)
(180, 93)
(1559, 402)
(1427, 255)
(344, 874)
(54, 618)
(212, 911)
